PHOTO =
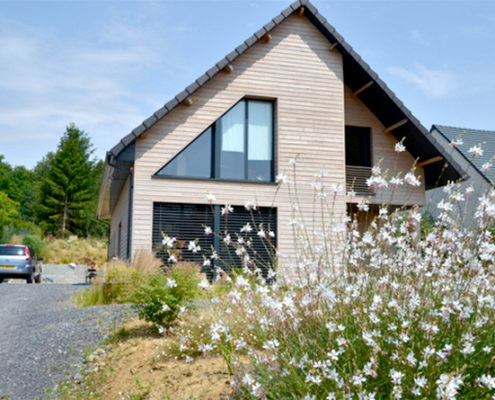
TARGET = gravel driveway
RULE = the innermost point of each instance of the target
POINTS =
(42, 334)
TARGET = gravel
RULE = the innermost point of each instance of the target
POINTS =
(43, 336)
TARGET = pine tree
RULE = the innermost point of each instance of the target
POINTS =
(67, 185)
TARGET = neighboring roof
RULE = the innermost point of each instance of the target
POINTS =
(470, 138)
(357, 74)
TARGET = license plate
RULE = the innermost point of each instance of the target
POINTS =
(7, 267)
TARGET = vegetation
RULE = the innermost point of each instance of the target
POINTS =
(58, 197)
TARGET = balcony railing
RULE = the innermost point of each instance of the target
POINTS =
(355, 179)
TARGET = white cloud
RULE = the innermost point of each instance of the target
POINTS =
(47, 82)
(434, 83)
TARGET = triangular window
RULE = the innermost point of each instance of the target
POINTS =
(238, 146)
(194, 161)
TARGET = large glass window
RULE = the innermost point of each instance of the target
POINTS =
(194, 161)
(238, 146)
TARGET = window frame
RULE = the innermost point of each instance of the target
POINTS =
(215, 155)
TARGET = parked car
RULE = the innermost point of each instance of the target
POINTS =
(19, 262)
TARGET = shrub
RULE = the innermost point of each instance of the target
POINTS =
(382, 312)
(35, 242)
(158, 298)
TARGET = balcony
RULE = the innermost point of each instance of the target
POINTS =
(355, 179)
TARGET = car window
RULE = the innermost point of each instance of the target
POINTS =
(11, 251)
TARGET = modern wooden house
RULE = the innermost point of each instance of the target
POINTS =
(295, 87)
(478, 170)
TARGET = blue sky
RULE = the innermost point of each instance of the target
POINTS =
(108, 65)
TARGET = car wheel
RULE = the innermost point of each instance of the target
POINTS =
(1, 280)
(29, 279)
(37, 278)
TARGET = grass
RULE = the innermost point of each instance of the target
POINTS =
(76, 250)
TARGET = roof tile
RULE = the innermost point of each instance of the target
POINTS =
(231, 57)
(159, 114)
(287, 12)
(137, 131)
(148, 123)
(202, 79)
(192, 87)
(127, 139)
(278, 19)
(241, 48)
(251, 40)
(212, 71)
(260, 33)
(171, 104)
(269, 26)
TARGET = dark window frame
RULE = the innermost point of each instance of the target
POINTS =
(216, 148)
(369, 146)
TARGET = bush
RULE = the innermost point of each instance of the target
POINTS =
(35, 242)
(376, 313)
(158, 298)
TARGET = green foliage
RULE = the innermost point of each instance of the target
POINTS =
(8, 211)
(158, 298)
(35, 242)
(68, 185)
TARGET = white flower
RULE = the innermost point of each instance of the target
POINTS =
(292, 162)
(448, 386)
(396, 181)
(476, 151)
(282, 178)
(412, 180)
(399, 147)
(250, 205)
(193, 246)
(376, 170)
(210, 198)
(457, 142)
(486, 166)
(208, 230)
(204, 284)
(396, 376)
(228, 209)
(166, 308)
(262, 234)
(172, 258)
(246, 228)
(168, 241)
(171, 283)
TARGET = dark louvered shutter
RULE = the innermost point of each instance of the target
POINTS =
(185, 222)
(262, 251)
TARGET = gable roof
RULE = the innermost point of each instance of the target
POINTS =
(470, 138)
(379, 99)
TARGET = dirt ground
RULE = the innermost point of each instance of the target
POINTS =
(136, 367)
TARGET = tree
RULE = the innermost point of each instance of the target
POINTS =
(8, 211)
(67, 185)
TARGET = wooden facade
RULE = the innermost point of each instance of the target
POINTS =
(312, 106)
(304, 76)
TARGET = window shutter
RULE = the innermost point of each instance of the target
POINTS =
(262, 251)
(185, 222)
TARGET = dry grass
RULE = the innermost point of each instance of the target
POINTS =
(136, 367)
(146, 262)
(78, 251)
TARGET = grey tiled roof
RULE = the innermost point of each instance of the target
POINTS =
(470, 138)
(379, 98)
